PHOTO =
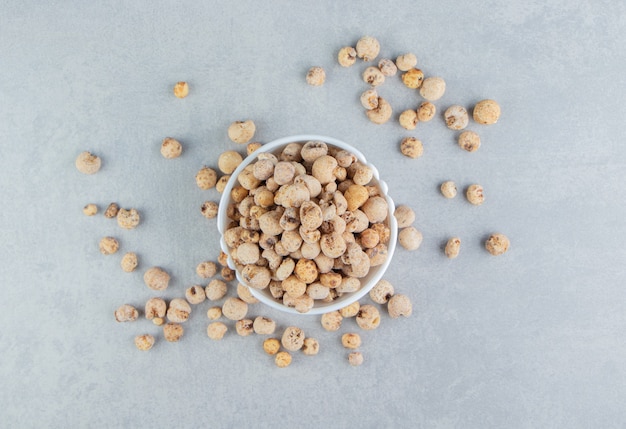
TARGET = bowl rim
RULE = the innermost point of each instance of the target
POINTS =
(222, 221)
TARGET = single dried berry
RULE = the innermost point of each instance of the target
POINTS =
(411, 147)
(410, 238)
(173, 332)
(155, 308)
(128, 219)
(283, 359)
(144, 342)
(264, 326)
(228, 161)
(206, 269)
(469, 141)
(368, 317)
(206, 178)
(214, 313)
(316, 76)
(351, 340)
(241, 131)
(453, 246)
(350, 310)
(129, 262)
(387, 67)
(406, 62)
(88, 163)
(195, 294)
(367, 48)
(156, 278)
(497, 244)
(111, 211)
(408, 119)
(413, 78)
(271, 346)
(215, 290)
(109, 246)
(126, 313)
(293, 338)
(369, 99)
(310, 347)
(355, 359)
(475, 194)
(90, 209)
(456, 117)
(178, 311)
(346, 56)
(399, 305)
(181, 89)
(216, 330)
(171, 148)
(448, 189)
(209, 209)
(373, 76)
(426, 111)
(234, 309)
(404, 215)
(381, 292)
(433, 88)
(244, 327)
(486, 112)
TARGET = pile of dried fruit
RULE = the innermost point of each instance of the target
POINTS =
(306, 223)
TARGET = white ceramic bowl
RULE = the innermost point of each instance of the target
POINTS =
(367, 282)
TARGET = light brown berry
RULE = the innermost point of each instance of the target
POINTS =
(181, 89)
(413, 78)
(90, 209)
(88, 163)
(111, 211)
(404, 215)
(264, 326)
(399, 305)
(129, 262)
(206, 178)
(171, 148)
(144, 342)
(410, 238)
(426, 111)
(271, 346)
(456, 117)
(411, 147)
(109, 246)
(433, 88)
(310, 347)
(448, 189)
(241, 131)
(367, 48)
(387, 67)
(368, 317)
(381, 113)
(126, 313)
(350, 310)
(346, 56)
(206, 269)
(209, 209)
(469, 141)
(128, 219)
(355, 358)
(293, 338)
(406, 62)
(195, 294)
(156, 278)
(173, 332)
(178, 311)
(155, 308)
(214, 313)
(283, 359)
(475, 194)
(228, 161)
(453, 246)
(244, 327)
(486, 112)
(234, 309)
(316, 76)
(497, 244)
(216, 330)
(351, 340)
(408, 119)
(381, 292)
(373, 76)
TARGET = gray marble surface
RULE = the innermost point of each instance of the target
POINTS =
(531, 339)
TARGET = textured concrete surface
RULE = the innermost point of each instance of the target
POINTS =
(531, 339)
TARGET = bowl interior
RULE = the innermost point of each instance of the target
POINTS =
(367, 282)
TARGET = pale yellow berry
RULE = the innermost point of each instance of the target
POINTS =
(453, 246)
(486, 112)
(411, 147)
(206, 178)
(241, 131)
(171, 148)
(90, 209)
(283, 359)
(109, 246)
(448, 189)
(88, 163)
(129, 262)
(271, 346)
(346, 56)
(144, 342)
(469, 141)
(475, 194)
(316, 76)
(497, 244)
(181, 89)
